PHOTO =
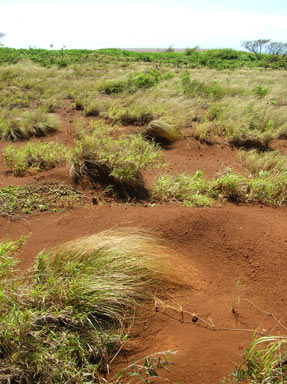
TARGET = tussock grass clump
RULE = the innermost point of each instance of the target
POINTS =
(34, 157)
(162, 132)
(66, 319)
(23, 126)
(114, 163)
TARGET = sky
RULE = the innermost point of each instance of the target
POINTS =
(95, 24)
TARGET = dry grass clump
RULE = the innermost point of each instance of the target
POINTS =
(66, 319)
(114, 164)
(162, 132)
(23, 126)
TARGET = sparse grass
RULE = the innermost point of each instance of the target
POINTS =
(114, 163)
(33, 198)
(34, 157)
(65, 320)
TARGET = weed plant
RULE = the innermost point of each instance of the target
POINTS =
(67, 317)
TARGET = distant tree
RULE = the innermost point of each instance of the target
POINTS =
(170, 49)
(255, 46)
(276, 48)
(2, 35)
(51, 46)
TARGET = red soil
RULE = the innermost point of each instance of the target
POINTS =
(224, 253)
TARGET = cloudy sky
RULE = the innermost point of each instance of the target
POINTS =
(96, 24)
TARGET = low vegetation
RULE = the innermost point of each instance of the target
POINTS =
(33, 198)
(68, 316)
(34, 157)
(194, 190)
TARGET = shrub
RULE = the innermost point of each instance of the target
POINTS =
(65, 320)
(34, 157)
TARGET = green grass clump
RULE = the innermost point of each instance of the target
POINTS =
(27, 124)
(185, 189)
(34, 157)
(114, 163)
(33, 198)
(67, 317)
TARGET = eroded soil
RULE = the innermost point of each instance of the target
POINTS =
(224, 253)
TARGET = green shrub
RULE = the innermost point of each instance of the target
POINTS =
(34, 157)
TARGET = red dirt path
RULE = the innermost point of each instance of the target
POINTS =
(218, 249)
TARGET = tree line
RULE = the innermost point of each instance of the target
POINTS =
(260, 46)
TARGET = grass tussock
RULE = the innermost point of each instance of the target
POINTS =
(66, 319)
(115, 164)
(23, 126)
(162, 132)
(34, 157)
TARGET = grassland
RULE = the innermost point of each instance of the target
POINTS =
(125, 111)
